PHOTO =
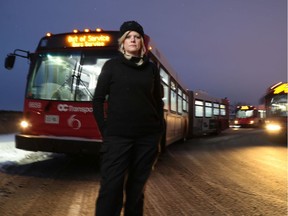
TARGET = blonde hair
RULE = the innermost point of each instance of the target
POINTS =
(121, 45)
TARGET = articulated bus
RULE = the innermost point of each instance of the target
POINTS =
(58, 113)
(62, 77)
(207, 115)
(249, 116)
(276, 102)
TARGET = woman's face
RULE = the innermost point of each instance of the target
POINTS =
(132, 44)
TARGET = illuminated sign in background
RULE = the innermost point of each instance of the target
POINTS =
(244, 107)
(281, 88)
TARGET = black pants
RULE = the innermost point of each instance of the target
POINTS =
(126, 165)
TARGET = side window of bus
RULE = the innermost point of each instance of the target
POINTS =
(165, 82)
(185, 103)
(222, 110)
(180, 99)
(208, 109)
(173, 96)
(216, 110)
(199, 108)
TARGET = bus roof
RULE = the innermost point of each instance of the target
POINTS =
(203, 95)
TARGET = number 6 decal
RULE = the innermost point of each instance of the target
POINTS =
(74, 123)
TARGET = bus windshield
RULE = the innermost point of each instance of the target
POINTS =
(278, 106)
(65, 76)
(244, 113)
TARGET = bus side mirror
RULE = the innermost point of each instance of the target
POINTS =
(9, 61)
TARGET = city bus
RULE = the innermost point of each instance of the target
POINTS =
(207, 114)
(63, 73)
(276, 103)
(249, 116)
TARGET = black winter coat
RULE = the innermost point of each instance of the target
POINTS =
(135, 106)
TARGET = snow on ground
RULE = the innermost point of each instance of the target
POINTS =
(8, 153)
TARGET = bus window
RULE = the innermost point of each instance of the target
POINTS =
(216, 110)
(180, 108)
(173, 97)
(164, 76)
(166, 97)
(245, 113)
(165, 82)
(185, 103)
(222, 110)
(66, 77)
(278, 105)
(199, 109)
(208, 109)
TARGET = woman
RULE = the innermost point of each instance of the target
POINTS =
(132, 130)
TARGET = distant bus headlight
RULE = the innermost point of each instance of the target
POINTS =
(273, 127)
(251, 122)
(236, 122)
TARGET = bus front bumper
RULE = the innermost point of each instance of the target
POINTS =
(66, 145)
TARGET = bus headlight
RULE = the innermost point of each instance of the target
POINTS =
(251, 122)
(24, 124)
(236, 122)
(273, 127)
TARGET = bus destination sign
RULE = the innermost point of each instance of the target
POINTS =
(283, 88)
(244, 107)
(75, 40)
(87, 40)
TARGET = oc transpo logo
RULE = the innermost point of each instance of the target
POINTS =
(73, 122)
(66, 107)
(62, 107)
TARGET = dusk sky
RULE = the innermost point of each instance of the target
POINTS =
(228, 48)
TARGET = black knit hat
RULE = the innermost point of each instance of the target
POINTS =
(131, 26)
